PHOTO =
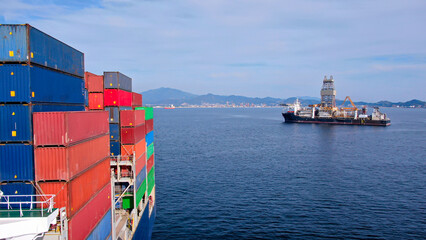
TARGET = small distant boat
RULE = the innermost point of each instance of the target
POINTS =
(171, 107)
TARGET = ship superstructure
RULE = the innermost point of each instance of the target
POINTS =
(328, 113)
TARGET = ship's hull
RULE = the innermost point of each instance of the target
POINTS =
(292, 118)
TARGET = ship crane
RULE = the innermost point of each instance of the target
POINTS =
(353, 108)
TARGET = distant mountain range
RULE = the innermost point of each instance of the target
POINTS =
(167, 96)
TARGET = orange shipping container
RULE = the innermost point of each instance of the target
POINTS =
(150, 163)
(139, 149)
(75, 194)
(66, 128)
(96, 101)
(85, 220)
(94, 83)
(64, 163)
(140, 164)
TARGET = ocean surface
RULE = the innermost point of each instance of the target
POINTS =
(244, 174)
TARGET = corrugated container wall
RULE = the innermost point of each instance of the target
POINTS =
(80, 226)
(64, 163)
(131, 118)
(96, 101)
(65, 128)
(16, 162)
(117, 80)
(136, 99)
(95, 83)
(16, 122)
(115, 148)
(132, 135)
(24, 43)
(117, 98)
(149, 125)
(114, 132)
(149, 138)
(76, 193)
(32, 84)
(139, 149)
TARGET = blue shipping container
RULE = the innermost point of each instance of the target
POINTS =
(103, 229)
(149, 138)
(115, 148)
(31, 84)
(140, 177)
(114, 132)
(18, 189)
(16, 162)
(117, 80)
(16, 119)
(24, 43)
(114, 116)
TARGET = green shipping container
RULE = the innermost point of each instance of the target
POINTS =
(149, 150)
(141, 191)
(149, 112)
(151, 180)
(127, 202)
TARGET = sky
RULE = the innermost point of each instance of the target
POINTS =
(375, 49)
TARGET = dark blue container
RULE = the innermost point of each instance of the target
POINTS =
(18, 189)
(149, 138)
(114, 113)
(16, 162)
(114, 132)
(86, 98)
(115, 148)
(140, 177)
(24, 43)
(142, 231)
(103, 229)
(31, 84)
(117, 80)
(16, 119)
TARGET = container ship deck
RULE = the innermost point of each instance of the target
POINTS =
(76, 148)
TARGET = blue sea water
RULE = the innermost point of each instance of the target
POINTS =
(244, 174)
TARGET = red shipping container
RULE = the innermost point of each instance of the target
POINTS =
(82, 224)
(118, 98)
(132, 135)
(150, 163)
(140, 163)
(139, 149)
(132, 118)
(66, 128)
(64, 163)
(149, 125)
(94, 83)
(96, 101)
(75, 194)
(136, 99)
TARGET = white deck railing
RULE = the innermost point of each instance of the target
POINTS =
(10, 200)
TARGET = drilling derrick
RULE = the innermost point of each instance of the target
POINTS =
(328, 94)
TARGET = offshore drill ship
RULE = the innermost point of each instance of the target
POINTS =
(76, 148)
(328, 113)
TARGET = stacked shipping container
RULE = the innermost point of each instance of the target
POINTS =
(60, 149)
(37, 74)
(41, 75)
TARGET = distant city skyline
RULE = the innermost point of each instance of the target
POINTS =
(375, 50)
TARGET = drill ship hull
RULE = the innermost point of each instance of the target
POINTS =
(290, 117)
